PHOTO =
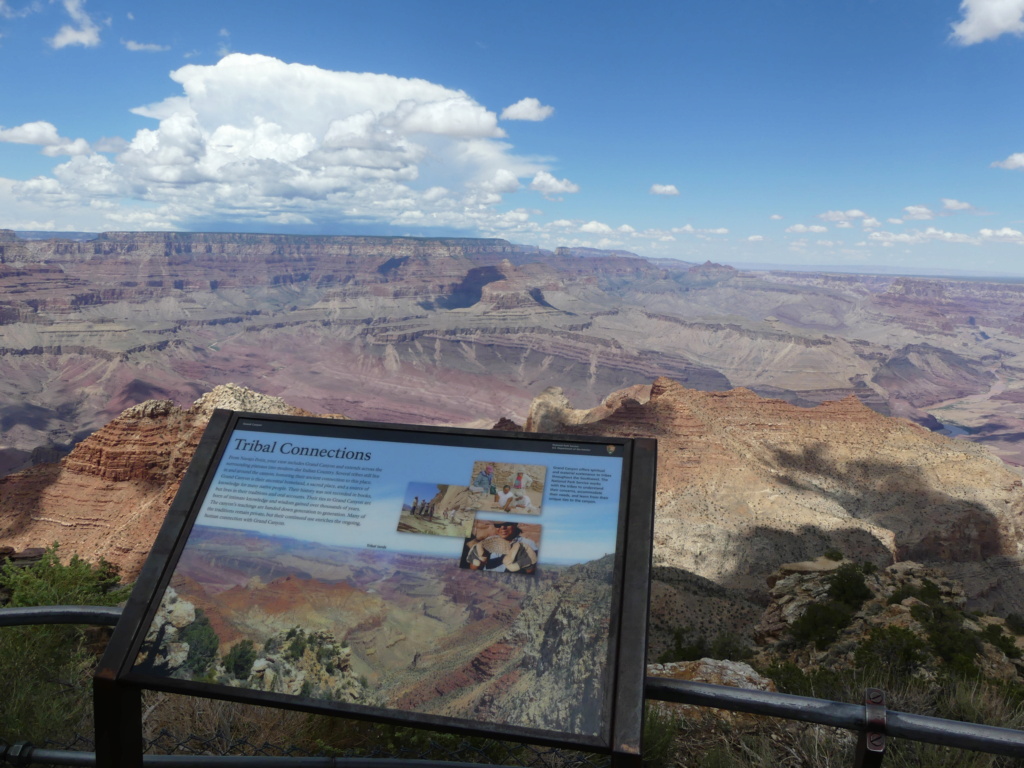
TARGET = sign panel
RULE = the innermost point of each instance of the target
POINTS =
(441, 576)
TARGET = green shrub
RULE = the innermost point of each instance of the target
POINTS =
(202, 644)
(296, 647)
(901, 594)
(833, 554)
(927, 593)
(728, 645)
(994, 634)
(683, 651)
(956, 645)
(49, 582)
(847, 586)
(1015, 623)
(46, 670)
(239, 660)
(821, 623)
(893, 649)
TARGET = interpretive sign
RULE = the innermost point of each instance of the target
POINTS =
(461, 579)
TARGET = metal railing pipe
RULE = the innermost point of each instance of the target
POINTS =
(60, 614)
(32, 756)
(786, 705)
(932, 730)
(956, 733)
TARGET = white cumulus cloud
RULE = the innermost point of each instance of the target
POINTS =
(1014, 162)
(38, 132)
(527, 109)
(950, 204)
(132, 45)
(802, 228)
(664, 189)
(81, 31)
(931, 234)
(917, 213)
(67, 147)
(849, 215)
(253, 138)
(1003, 235)
(44, 134)
(596, 228)
(503, 181)
(548, 185)
(988, 19)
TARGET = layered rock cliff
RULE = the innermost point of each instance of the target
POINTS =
(109, 496)
(744, 484)
(463, 330)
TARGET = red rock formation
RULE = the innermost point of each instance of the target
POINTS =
(746, 484)
(108, 498)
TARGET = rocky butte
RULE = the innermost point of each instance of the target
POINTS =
(469, 330)
(745, 484)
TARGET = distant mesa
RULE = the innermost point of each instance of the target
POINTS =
(459, 330)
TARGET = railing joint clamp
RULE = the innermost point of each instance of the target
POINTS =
(19, 754)
(871, 740)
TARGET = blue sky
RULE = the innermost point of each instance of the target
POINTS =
(842, 132)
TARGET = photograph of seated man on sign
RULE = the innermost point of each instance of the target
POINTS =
(507, 487)
(502, 546)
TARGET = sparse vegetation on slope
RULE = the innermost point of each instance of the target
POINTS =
(903, 630)
(46, 669)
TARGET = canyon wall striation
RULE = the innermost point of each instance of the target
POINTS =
(745, 484)
(452, 330)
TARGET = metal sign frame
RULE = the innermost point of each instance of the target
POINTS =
(118, 685)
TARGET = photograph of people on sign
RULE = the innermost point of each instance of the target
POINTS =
(438, 509)
(503, 546)
(319, 566)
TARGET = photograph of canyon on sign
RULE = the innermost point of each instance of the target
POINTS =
(784, 239)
